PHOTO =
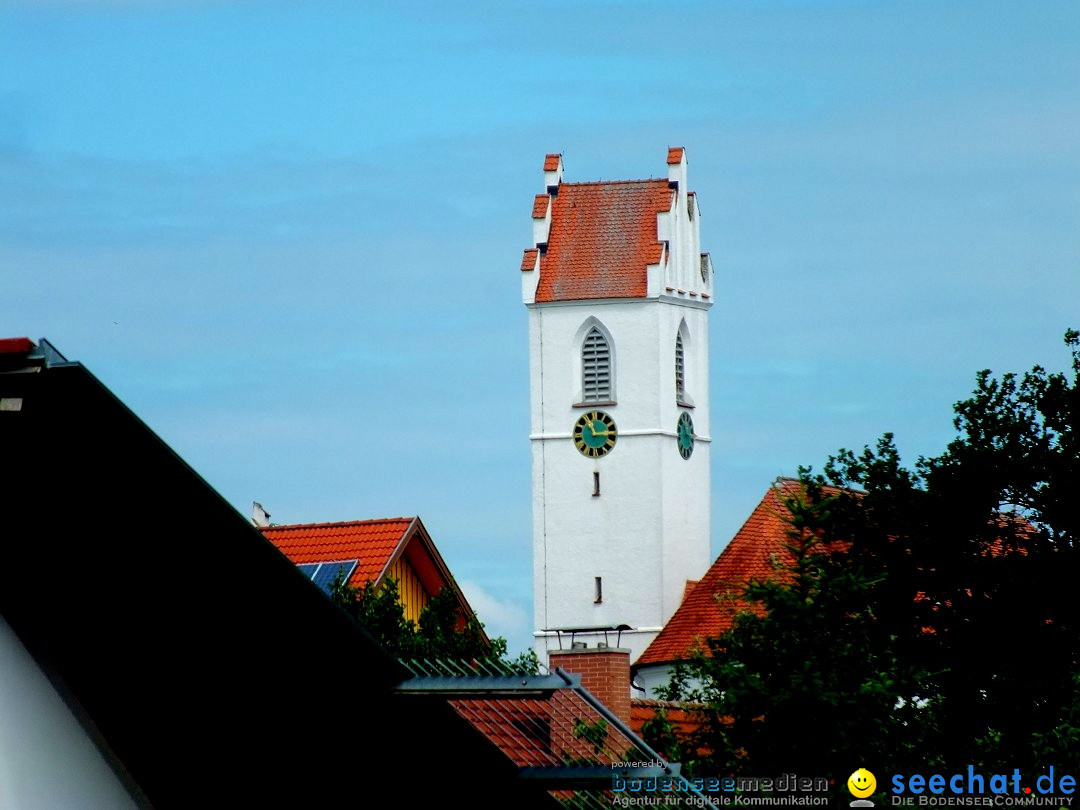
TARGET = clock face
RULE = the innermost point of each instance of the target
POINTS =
(684, 433)
(595, 434)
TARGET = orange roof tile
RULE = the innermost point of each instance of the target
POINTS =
(675, 155)
(686, 718)
(689, 586)
(551, 162)
(373, 542)
(528, 261)
(603, 235)
(749, 555)
(540, 206)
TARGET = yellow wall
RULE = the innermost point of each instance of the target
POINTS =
(412, 593)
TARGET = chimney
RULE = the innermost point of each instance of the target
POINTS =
(259, 516)
(604, 671)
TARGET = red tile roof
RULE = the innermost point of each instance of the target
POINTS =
(686, 718)
(520, 728)
(551, 162)
(373, 542)
(749, 555)
(540, 732)
(675, 155)
(689, 586)
(603, 235)
(540, 206)
(528, 261)
(16, 345)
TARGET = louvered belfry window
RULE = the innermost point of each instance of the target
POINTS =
(596, 367)
(680, 371)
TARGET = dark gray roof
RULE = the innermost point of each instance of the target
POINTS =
(206, 666)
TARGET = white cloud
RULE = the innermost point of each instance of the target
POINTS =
(501, 617)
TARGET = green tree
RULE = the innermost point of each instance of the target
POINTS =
(442, 632)
(926, 616)
(981, 549)
(807, 677)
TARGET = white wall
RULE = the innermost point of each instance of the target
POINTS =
(650, 677)
(47, 761)
(655, 675)
(648, 531)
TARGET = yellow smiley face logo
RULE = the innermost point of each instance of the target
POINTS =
(861, 783)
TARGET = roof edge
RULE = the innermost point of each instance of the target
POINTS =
(662, 180)
(398, 549)
(336, 524)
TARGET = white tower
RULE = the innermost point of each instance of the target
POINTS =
(618, 294)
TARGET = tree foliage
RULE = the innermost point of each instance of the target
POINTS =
(807, 677)
(442, 632)
(926, 615)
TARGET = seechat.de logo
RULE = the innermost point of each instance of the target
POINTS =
(861, 784)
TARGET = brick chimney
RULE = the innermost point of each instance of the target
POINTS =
(604, 671)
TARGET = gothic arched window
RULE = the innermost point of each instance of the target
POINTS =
(595, 367)
(680, 370)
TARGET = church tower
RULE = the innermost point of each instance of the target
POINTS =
(618, 294)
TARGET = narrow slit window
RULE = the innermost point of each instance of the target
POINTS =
(680, 370)
(596, 484)
(599, 591)
(595, 367)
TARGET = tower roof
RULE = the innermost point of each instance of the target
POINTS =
(616, 239)
(603, 237)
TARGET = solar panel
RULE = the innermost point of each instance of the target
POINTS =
(308, 569)
(328, 572)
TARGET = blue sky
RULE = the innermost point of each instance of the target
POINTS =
(288, 235)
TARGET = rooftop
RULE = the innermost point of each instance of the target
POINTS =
(372, 542)
(602, 239)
